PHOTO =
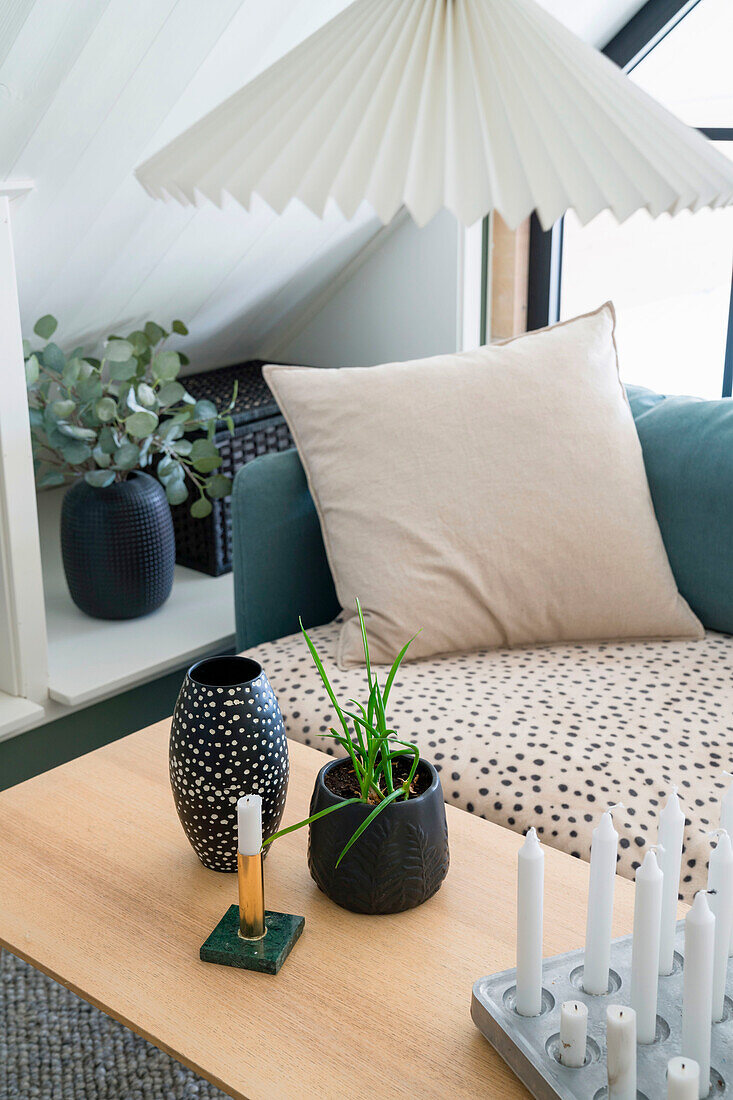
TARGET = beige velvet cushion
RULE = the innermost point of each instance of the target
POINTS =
(494, 497)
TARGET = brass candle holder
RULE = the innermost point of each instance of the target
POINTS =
(251, 882)
(249, 936)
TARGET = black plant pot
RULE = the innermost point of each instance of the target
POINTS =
(118, 547)
(398, 862)
(227, 739)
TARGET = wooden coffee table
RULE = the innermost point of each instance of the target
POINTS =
(100, 889)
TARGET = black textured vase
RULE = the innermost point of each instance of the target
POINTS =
(118, 547)
(398, 862)
(227, 739)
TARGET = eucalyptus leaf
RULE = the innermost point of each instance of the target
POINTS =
(170, 393)
(51, 478)
(45, 326)
(180, 328)
(62, 409)
(123, 371)
(72, 370)
(101, 457)
(203, 448)
(146, 395)
(201, 508)
(176, 491)
(118, 351)
(106, 408)
(171, 429)
(75, 451)
(54, 437)
(86, 368)
(36, 418)
(53, 358)
(26, 348)
(153, 333)
(139, 341)
(107, 441)
(169, 469)
(165, 365)
(127, 456)
(206, 465)
(75, 431)
(32, 370)
(205, 410)
(132, 402)
(218, 486)
(141, 424)
(89, 389)
(100, 479)
(182, 447)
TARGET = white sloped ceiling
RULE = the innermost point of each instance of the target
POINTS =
(89, 89)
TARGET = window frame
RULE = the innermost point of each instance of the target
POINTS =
(644, 31)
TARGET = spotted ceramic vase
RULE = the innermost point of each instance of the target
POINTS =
(227, 739)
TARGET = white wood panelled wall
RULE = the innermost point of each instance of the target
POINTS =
(88, 90)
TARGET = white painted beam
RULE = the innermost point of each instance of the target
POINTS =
(23, 665)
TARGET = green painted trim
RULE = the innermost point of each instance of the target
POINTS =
(45, 747)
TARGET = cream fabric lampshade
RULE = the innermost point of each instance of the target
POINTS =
(469, 104)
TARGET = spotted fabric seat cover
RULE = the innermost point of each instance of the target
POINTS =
(550, 736)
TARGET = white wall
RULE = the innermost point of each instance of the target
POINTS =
(400, 303)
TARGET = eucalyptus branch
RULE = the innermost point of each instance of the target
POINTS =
(104, 418)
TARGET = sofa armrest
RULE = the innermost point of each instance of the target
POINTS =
(279, 561)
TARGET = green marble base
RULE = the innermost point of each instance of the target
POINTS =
(225, 946)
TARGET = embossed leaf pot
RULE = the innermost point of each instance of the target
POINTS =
(398, 862)
(118, 547)
(227, 739)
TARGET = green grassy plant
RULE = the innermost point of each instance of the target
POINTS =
(371, 745)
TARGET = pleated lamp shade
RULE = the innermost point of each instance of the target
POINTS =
(469, 104)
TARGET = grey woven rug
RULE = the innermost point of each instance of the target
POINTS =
(54, 1046)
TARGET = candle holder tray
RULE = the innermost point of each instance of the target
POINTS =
(530, 1045)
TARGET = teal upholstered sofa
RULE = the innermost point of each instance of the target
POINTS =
(548, 734)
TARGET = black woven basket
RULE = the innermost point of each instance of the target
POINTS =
(206, 544)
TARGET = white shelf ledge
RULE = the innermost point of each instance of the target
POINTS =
(17, 715)
(91, 659)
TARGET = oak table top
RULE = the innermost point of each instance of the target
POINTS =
(100, 889)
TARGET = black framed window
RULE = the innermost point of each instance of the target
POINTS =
(670, 278)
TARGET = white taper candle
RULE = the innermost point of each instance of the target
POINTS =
(697, 987)
(670, 837)
(603, 852)
(530, 889)
(573, 1033)
(645, 947)
(683, 1079)
(720, 899)
(726, 822)
(621, 1052)
(249, 824)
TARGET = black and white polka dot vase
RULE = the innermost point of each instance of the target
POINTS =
(227, 739)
